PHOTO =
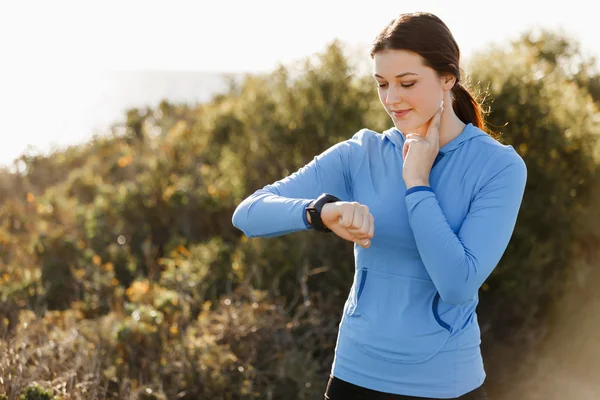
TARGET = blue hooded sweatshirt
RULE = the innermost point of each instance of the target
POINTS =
(409, 325)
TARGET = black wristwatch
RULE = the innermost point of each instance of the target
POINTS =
(314, 210)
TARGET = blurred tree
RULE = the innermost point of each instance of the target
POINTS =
(538, 103)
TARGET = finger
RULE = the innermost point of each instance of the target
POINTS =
(369, 230)
(433, 131)
(364, 242)
(347, 214)
(357, 219)
(408, 142)
(363, 230)
(413, 141)
(408, 147)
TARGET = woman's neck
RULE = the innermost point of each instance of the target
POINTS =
(450, 127)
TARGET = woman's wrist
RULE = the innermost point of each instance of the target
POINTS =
(327, 205)
(418, 182)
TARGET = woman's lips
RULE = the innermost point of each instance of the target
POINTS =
(400, 113)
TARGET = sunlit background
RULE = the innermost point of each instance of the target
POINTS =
(122, 220)
(79, 65)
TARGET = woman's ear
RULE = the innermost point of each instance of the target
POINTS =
(448, 82)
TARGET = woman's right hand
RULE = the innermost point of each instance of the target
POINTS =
(349, 220)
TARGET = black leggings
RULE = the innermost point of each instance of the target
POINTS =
(338, 389)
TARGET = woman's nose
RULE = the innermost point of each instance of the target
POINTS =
(393, 96)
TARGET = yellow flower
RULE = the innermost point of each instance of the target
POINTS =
(183, 250)
(125, 161)
(137, 290)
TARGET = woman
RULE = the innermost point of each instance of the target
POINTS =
(445, 197)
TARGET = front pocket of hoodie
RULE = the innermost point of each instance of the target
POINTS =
(395, 319)
(357, 289)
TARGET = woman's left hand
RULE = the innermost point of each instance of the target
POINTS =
(420, 152)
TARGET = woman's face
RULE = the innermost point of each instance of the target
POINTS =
(410, 92)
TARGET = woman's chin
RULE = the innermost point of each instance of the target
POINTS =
(405, 126)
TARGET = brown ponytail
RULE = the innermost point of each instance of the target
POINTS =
(428, 36)
(466, 107)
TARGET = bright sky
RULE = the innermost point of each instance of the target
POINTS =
(55, 54)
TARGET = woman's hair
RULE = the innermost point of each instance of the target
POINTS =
(427, 35)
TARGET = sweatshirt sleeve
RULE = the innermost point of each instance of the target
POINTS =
(458, 264)
(279, 208)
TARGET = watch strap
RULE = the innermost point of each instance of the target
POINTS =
(314, 210)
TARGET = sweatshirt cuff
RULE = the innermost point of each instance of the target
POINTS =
(418, 189)
(304, 218)
(418, 195)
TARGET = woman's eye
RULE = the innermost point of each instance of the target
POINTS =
(382, 85)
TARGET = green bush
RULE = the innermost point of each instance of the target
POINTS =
(38, 393)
